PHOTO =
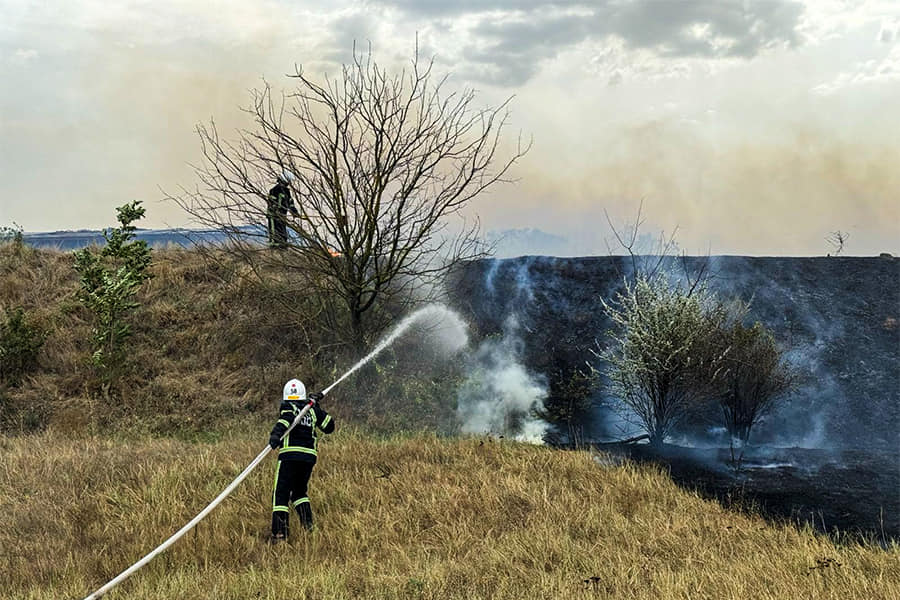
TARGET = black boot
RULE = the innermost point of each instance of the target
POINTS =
(279, 526)
(305, 513)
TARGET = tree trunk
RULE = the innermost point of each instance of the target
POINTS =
(357, 333)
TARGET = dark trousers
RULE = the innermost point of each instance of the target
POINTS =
(277, 230)
(291, 481)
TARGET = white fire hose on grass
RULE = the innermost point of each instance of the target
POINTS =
(162, 547)
(259, 457)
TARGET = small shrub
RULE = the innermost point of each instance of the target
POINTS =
(13, 235)
(754, 378)
(12, 239)
(109, 281)
(20, 343)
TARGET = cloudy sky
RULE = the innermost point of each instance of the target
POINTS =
(754, 127)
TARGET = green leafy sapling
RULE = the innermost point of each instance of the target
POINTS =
(109, 281)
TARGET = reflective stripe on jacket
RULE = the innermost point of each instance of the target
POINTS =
(301, 443)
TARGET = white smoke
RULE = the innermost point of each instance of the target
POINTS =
(499, 395)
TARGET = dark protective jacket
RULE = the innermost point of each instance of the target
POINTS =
(280, 201)
(301, 442)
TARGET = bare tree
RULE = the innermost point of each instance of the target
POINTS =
(648, 256)
(380, 165)
(837, 239)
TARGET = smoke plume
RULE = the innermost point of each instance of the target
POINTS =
(499, 395)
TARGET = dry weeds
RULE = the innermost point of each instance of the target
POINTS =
(211, 348)
(418, 517)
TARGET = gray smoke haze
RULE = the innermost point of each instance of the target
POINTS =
(832, 336)
(835, 319)
(500, 395)
(755, 127)
(790, 189)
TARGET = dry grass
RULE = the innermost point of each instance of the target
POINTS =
(414, 517)
(210, 348)
(418, 517)
(202, 351)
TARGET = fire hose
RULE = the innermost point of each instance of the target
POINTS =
(259, 457)
(200, 516)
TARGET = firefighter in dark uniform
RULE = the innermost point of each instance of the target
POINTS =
(278, 203)
(296, 456)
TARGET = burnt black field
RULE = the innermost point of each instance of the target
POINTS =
(828, 455)
(853, 493)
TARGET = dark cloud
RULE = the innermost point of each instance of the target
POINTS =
(505, 70)
(511, 51)
(349, 31)
(730, 28)
(513, 37)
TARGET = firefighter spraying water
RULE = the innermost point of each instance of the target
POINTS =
(451, 334)
(297, 453)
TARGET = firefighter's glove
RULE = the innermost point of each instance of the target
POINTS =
(274, 441)
(317, 397)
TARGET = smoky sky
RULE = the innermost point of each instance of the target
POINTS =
(515, 36)
(717, 115)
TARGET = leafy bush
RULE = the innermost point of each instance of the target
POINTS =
(20, 343)
(754, 378)
(664, 360)
(568, 404)
(109, 281)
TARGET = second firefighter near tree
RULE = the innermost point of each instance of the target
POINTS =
(297, 454)
(278, 203)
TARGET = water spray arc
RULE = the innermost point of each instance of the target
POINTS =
(432, 311)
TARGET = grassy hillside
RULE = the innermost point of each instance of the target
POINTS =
(211, 348)
(412, 517)
(91, 481)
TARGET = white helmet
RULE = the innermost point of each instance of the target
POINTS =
(294, 390)
(286, 177)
